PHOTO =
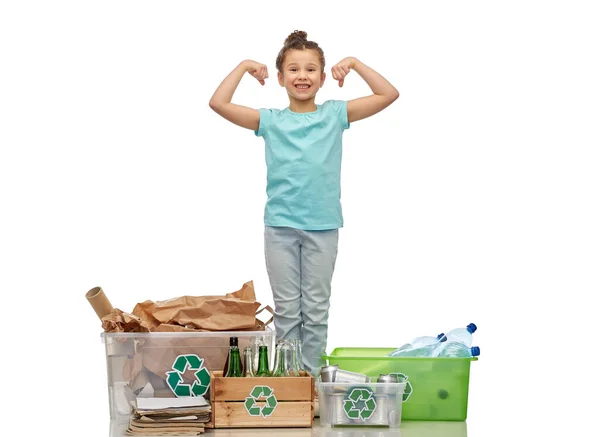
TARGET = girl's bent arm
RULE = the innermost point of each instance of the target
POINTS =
(221, 99)
(384, 92)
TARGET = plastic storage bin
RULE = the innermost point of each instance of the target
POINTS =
(436, 388)
(374, 404)
(168, 364)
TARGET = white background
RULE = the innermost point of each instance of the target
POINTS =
(473, 198)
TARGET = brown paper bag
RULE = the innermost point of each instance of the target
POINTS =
(232, 312)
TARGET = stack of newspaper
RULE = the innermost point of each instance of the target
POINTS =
(169, 416)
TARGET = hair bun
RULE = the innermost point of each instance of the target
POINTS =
(296, 35)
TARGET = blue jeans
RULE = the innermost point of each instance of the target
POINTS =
(300, 265)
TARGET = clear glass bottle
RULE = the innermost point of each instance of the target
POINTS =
(248, 362)
(257, 342)
(299, 364)
(284, 359)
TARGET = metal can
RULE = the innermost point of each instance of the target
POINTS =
(380, 414)
(351, 377)
(328, 373)
(385, 381)
(394, 409)
(387, 377)
(337, 413)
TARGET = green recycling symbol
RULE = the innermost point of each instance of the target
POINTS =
(257, 392)
(175, 378)
(408, 389)
(360, 403)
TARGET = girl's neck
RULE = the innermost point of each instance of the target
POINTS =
(303, 105)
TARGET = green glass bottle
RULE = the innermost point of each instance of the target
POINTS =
(263, 362)
(235, 368)
(233, 341)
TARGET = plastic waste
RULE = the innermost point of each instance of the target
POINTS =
(455, 349)
(463, 335)
(419, 347)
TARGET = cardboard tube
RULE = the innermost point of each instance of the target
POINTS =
(99, 302)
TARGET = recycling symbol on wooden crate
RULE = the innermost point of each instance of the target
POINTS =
(359, 403)
(175, 377)
(408, 389)
(261, 391)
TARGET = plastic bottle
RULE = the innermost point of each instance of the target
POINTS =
(455, 349)
(463, 335)
(425, 351)
(418, 343)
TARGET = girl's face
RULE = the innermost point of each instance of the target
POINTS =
(302, 76)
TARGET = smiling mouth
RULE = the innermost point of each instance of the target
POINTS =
(302, 86)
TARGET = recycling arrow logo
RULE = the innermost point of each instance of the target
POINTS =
(359, 403)
(270, 402)
(175, 377)
(408, 389)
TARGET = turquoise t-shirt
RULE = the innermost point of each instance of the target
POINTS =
(304, 158)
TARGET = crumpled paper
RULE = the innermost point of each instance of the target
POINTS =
(232, 312)
(119, 321)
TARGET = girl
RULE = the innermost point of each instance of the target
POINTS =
(303, 150)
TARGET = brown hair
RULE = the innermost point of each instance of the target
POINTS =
(297, 41)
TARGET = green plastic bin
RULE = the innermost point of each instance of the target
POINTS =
(436, 388)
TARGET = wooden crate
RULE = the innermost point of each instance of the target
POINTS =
(236, 404)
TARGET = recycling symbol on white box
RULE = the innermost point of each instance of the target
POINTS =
(175, 377)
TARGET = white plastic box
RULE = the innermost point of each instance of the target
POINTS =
(369, 404)
(169, 364)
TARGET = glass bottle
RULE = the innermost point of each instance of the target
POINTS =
(299, 364)
(284, 359)
(256, 343)
(248, 362)
(235, 363)
(263, 362)
(233, 341)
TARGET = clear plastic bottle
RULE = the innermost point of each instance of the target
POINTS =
(456, 349)
(427, 342)
(463, 335)
(425, 351)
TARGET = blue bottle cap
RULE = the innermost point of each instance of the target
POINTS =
(471, 327)
(442, 337)
(475, 351)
